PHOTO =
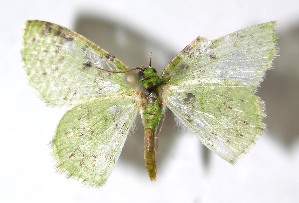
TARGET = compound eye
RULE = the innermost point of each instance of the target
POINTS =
(141, 75)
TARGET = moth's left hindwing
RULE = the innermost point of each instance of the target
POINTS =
(210, 87)
(90, 137)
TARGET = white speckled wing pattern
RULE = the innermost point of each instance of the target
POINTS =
(242, 56)
(63, 66)
(211, 84)
(90, 137)
(66, 69)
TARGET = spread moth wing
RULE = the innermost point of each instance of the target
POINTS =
(210, 86)
(63, 65)
(90, 137)
(66, 68)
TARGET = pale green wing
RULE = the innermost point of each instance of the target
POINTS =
(242, 56)
(210, 87)
(90, 137)
(227, 118)
(64, 66)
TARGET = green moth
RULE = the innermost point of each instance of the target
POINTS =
(210, 86)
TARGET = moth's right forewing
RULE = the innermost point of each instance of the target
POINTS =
(242, 56)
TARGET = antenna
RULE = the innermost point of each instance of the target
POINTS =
(124, 71)
(150, 60)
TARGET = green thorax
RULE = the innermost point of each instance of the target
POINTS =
(152, 111)
(150, 79)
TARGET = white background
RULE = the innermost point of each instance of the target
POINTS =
(187, 172)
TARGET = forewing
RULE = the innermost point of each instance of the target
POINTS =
(90, 137)
(210, 86)
(242, 56)
(64, 66)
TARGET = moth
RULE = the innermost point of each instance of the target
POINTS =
(209, 86)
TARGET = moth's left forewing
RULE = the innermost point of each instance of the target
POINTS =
(66, 68)
(210, 87)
